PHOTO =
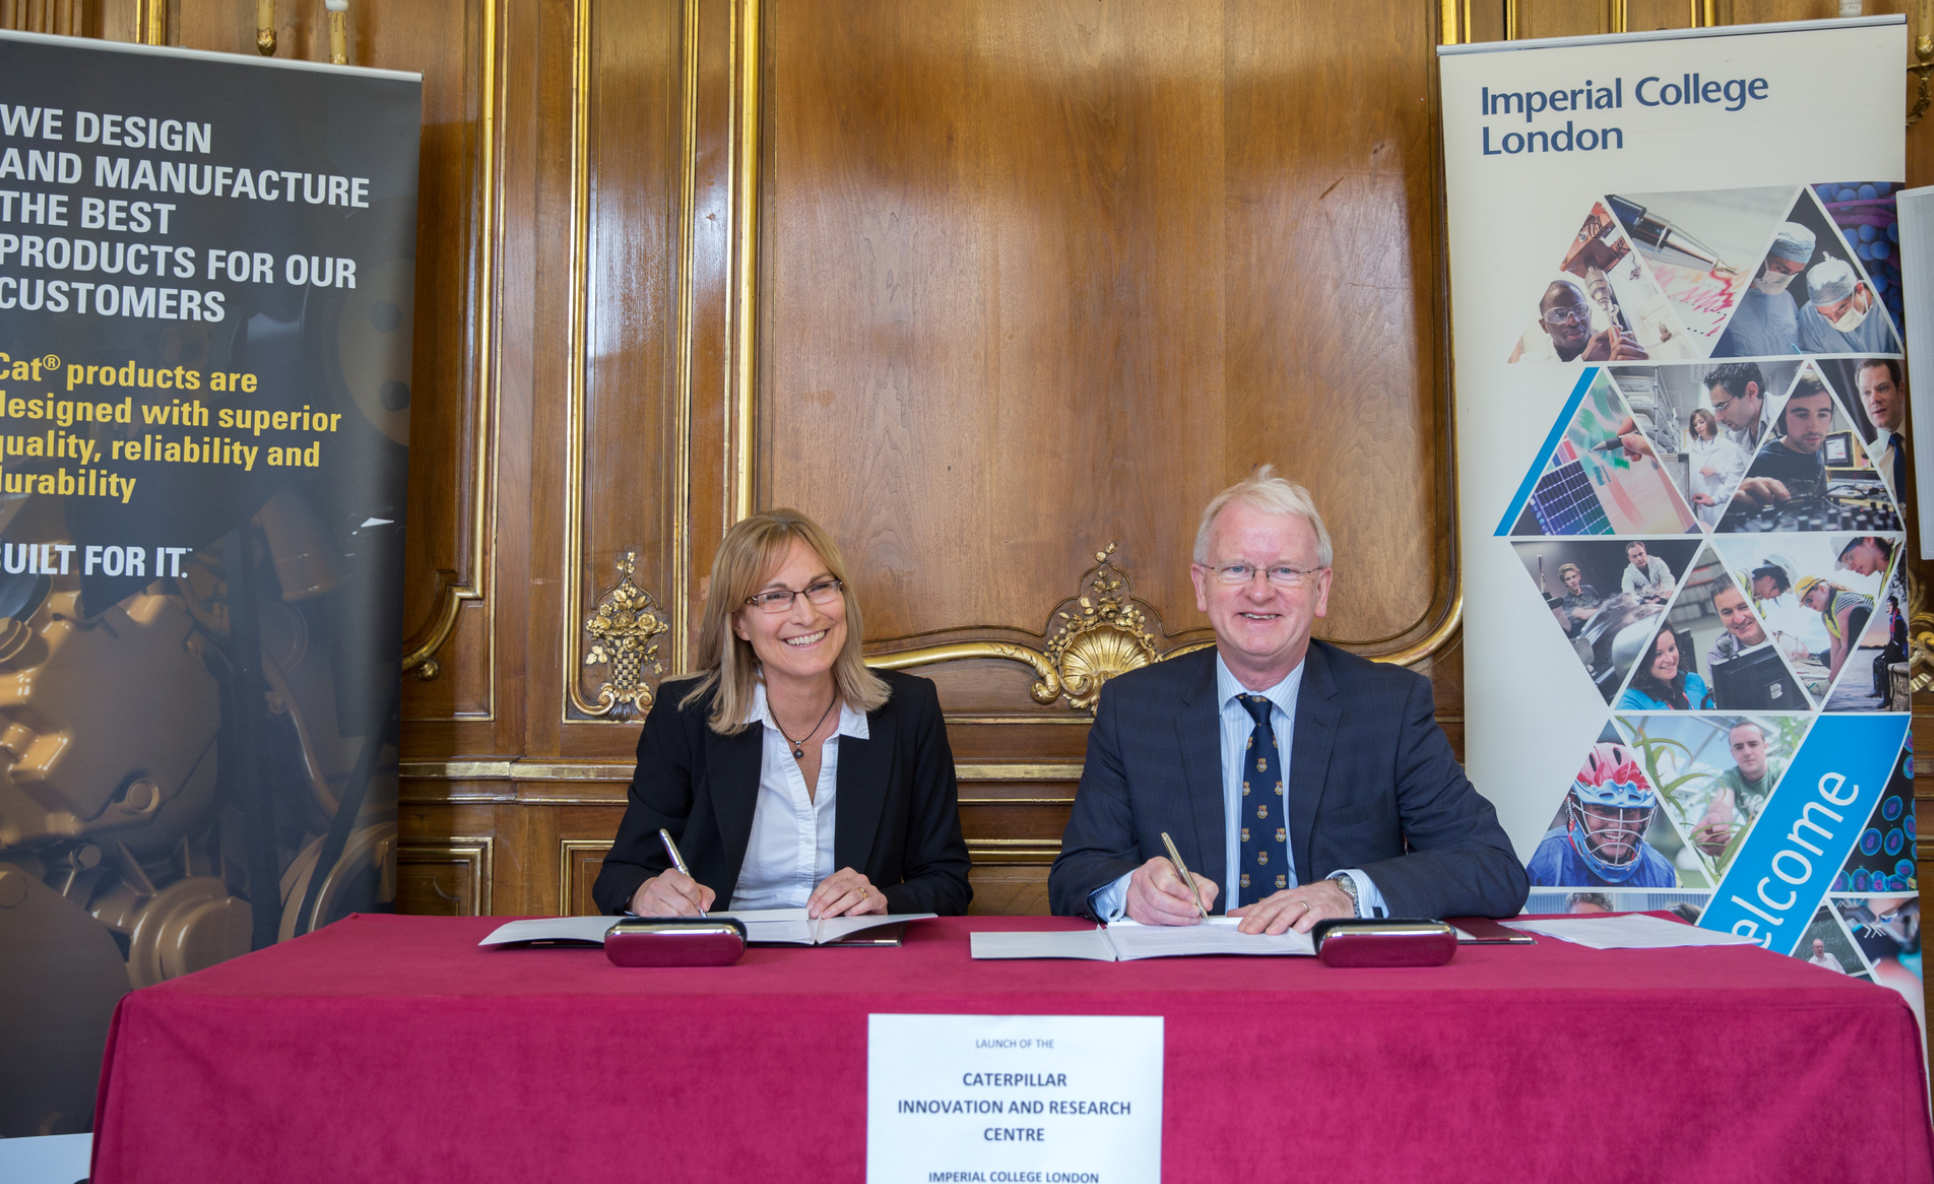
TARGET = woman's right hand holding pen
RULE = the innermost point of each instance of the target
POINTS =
(672, 893)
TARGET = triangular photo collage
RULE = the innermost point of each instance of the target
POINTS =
(1713, 525)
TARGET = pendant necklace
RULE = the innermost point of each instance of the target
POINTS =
(799, 745)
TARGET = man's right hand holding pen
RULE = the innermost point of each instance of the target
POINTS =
(1157, 895)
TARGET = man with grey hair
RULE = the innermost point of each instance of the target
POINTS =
(1842, 315)
(1767, 322)
(1297, 781)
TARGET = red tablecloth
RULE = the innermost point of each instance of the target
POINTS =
(391, 1047)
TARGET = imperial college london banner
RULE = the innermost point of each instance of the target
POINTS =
(1680, 401)
(205, 313)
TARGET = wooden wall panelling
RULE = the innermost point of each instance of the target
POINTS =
(446, 876)
(656, 348)
(618, 460)
(1017, 298)
(726, 79)
(1035, 277)
(67, 18)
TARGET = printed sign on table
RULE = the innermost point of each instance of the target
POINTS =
(1014, 1099)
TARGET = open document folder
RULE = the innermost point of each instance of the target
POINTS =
(1126, 940)
(773, 927)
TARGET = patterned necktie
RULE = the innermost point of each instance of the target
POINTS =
(1264, 815)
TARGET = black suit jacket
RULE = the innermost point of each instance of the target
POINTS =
(1372, 785)
(897, 818)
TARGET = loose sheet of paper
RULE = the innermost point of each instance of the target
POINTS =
(1631, 931)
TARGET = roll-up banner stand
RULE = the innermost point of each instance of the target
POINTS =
(1676, 285)
(206, 273)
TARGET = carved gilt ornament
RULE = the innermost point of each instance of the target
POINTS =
(1103, 632)
(623, 629)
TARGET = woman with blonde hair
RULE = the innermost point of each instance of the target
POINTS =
(789, 774)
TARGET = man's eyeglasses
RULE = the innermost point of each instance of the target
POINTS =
(778, 600)
(1565, 316)
(1282, 575)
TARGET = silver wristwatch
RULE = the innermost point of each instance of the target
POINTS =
(1348, 884)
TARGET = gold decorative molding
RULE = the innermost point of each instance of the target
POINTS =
(684, 290)
(624, 624)
(1437, 638)
(576, 333)
(151, 22)
(1046, 690)
(1923, 63)
(475, 852)
(514, 770)
(619, 772)
(339, 36)
(1920, 633)
(454, 588)
(1103, 632)
(745, 252)
(986, 852)
(1019, 772)
(567, 851)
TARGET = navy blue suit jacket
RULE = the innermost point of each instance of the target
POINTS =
(897, 817)
(1373, 785)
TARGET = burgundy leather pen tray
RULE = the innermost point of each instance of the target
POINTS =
(1345, 942)
(675, 941)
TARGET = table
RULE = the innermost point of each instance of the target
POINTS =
(387, 1046)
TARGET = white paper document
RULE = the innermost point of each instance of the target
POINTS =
(1125, 941)
(783, 927)
(1631, 931)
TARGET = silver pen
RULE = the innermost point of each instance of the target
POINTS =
(678, 861)
(1175, 857)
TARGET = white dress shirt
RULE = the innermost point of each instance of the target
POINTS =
(790, 849)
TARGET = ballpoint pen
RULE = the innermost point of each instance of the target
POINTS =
(1175, 857)
(678, 861)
